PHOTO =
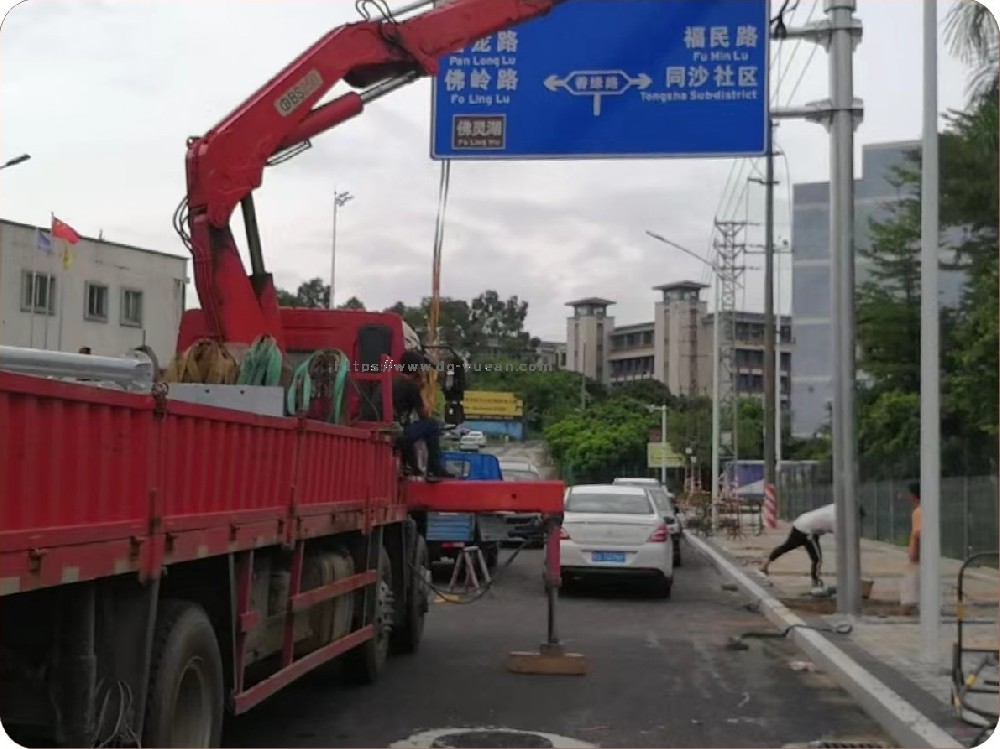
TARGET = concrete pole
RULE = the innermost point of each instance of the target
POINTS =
(769, 391)
(716, 410)
(841, 16)
(930, 435)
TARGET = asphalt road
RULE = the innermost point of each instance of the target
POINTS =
(659, 676)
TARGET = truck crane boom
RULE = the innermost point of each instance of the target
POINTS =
(226, 165)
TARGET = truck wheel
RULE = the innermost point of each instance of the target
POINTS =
(491, 555)
(184, 707)
(365, 663)
(407, 638)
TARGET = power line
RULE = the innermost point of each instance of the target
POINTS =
(729, 198)
(741, 164)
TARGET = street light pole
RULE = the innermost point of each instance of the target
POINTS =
(663, 440)
(716, 366)
(663, 444)
(16, 160)
(930, 385)
(340, 199)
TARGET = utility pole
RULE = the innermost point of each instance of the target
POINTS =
(930, 386)
(841, 114)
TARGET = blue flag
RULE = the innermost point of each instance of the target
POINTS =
(43, 242)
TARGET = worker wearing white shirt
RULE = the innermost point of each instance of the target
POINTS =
(806, 531)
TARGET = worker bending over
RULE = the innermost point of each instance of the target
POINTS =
(806, 531)
(418, 424)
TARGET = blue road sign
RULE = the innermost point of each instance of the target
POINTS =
(610, 79)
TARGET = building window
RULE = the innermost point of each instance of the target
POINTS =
(96, 301)
(132, 308)
(38, 293)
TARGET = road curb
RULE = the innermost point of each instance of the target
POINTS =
(897, 717)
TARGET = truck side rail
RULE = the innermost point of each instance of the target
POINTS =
(100, 483)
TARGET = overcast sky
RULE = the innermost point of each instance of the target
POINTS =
(103, 94)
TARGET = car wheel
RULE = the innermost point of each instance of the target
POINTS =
(664, 587)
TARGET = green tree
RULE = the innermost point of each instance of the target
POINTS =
(888, 303)
(653, 392)
(352, 303)
(970, 200)
(313, 293)
(972, 34)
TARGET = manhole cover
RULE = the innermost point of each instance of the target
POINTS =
(488, 738)
(492, 740)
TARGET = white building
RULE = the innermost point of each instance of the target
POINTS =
(113, 297)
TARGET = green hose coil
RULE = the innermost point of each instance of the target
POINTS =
(263, 364)
(300, 393)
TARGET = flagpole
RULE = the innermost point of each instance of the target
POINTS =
(62, 297)
(31, 302)
(49, 275)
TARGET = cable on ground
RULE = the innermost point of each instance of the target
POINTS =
(450, 597)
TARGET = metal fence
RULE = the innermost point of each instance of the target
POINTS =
(969, 511)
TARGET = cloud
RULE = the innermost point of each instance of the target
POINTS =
(104, 94)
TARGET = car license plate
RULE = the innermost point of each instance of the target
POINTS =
(608, 556)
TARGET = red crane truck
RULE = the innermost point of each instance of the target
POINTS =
(165, 563)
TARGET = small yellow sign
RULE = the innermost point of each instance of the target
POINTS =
(662, 455)
(488, 404)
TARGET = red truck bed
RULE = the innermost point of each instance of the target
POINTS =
(99, 482)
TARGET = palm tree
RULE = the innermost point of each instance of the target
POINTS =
(973, 35)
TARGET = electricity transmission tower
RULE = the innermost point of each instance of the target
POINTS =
(729, 248)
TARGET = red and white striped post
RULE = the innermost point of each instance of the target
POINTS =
(770, 506)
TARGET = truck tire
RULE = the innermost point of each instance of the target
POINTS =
(365, 663)
(491, 555)
(407, 638)
(185, 702)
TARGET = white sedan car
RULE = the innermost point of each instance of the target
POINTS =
(615, 530)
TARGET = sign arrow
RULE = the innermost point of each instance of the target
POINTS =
(554, 83)
(597, 84)
(642, 82)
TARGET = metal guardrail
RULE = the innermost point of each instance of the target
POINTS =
(133, 372)
(970, 511)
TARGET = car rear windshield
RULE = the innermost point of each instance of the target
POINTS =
(519, 476)
(662, 500)
(613, 504)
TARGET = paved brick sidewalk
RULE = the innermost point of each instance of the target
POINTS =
(882, 631)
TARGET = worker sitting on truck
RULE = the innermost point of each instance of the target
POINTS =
(412, 414)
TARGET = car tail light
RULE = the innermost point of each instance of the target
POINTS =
(563, 535)
(660, 535)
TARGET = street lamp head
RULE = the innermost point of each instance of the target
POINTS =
(343, 197)
(16, 160)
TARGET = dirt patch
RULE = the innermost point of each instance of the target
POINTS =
(825, 606)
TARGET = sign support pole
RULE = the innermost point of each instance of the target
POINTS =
(841, 114)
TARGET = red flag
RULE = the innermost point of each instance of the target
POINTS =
(62, 230)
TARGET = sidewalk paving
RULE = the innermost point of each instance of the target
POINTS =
(882, 635)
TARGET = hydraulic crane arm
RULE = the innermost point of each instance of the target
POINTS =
(226, 164)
